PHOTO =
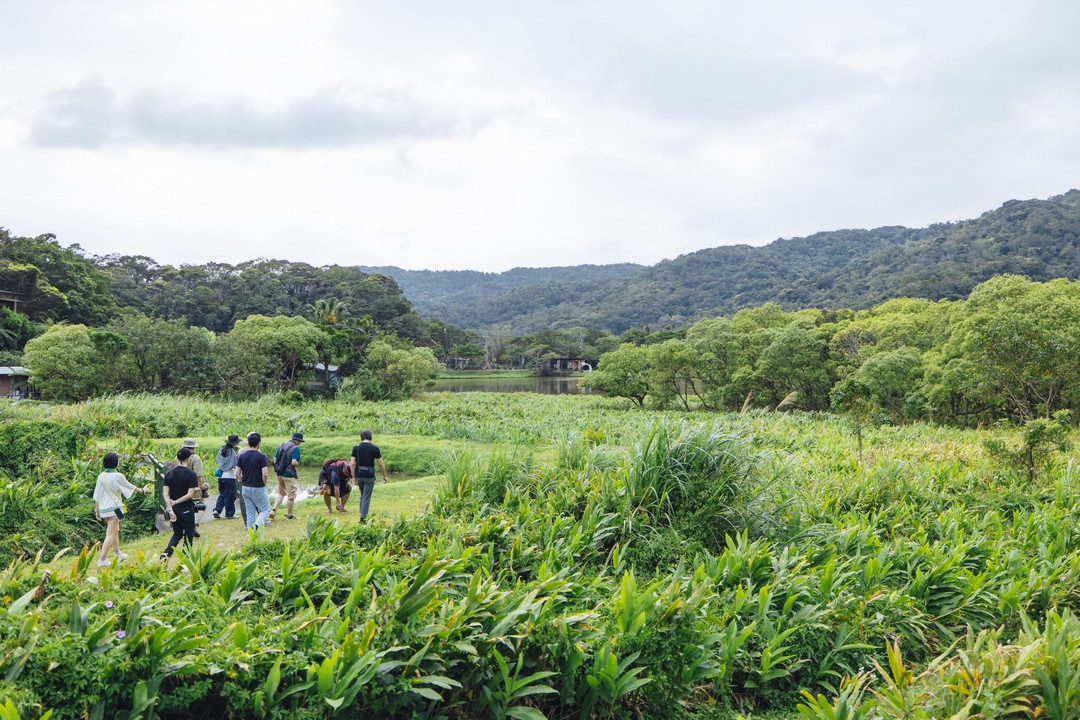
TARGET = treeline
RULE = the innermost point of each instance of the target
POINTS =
(1010, 350)
(94, 325)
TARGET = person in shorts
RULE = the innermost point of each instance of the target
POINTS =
(365, 456)
(109, 493)
(287, 474)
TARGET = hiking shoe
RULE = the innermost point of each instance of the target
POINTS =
(217, 515)
(197, 533)
(120, 557)
(273, 514)
(164, 557)
(290, 516)
(103, 563)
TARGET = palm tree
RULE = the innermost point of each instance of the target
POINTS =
(329, 311)
(332, 313)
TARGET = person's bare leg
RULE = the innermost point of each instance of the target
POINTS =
(112, 537)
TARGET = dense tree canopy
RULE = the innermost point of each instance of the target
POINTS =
(1010, 350)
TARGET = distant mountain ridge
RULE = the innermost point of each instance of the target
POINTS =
(1039, 239)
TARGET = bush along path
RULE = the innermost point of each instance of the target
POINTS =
(696, 576)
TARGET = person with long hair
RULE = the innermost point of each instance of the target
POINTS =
(109, 492)
(226, 474)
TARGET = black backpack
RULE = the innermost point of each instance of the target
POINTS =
(283, 457)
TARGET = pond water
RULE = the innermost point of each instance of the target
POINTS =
(542, 385)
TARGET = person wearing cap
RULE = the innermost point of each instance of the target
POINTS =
(109, 493)
(286, 462)
(180, 486)
(226, 474)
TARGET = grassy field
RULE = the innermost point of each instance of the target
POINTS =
(581, 559)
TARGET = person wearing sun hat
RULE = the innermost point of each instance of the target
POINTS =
(286, 462)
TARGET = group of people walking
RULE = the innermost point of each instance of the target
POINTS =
(242, 472)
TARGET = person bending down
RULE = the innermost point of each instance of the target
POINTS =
(338, 485)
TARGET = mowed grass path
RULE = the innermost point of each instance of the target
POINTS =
(401, 496)
(410, 459)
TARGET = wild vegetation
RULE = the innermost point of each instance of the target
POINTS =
(661, 564)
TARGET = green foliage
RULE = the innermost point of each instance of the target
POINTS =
(622, 373)
(1040, 440)
(27, 444)
(267, 353)
(57, 284)
(791, 567)
(72, 362)
(162, 354)
(390, 373)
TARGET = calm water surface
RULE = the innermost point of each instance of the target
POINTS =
(543, 385)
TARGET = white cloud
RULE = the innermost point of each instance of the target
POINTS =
(471, 135)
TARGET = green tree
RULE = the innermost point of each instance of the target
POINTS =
(1021, 337)
(390, 373)
(622, 373)
(15, 329)
(164, 354)
(56, 283)
(796, 361)
(330, 311)
(1040, 440)
(273, 351)
(73, 362)
(893, 380)
(331, 315)
(674, 367)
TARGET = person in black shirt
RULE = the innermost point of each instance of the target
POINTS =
(180, 485)
(365, 455)
(253, 471)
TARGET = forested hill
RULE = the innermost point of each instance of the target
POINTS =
(842, 268)
(475, 299)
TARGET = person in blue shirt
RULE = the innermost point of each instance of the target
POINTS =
(286, 464)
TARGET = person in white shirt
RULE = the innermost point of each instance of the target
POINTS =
(109, 493)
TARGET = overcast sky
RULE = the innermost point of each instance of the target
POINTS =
(490, 135)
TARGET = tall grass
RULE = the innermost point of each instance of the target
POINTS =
(698, 566)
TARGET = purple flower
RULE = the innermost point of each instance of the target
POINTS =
(108, 604)
(121, 634)
(294, 637)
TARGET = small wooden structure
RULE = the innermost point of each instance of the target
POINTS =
(13, 382)
(564, 364)
(10, 299)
